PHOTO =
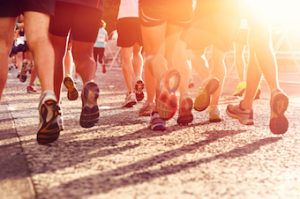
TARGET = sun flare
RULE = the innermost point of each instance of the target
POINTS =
(285, 12)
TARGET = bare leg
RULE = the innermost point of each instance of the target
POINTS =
(218, 70)
(6, 39)
(137, 61)
(32, 77)
(59, 44)
(155, 63)
(84, 60)
(37, 25)
(68, 62)
(239, 60)
(127, 67)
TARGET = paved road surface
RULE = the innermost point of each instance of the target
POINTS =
(122, 158)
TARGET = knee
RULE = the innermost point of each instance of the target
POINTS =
(37, 40)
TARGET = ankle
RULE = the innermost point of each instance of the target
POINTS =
(244, 105)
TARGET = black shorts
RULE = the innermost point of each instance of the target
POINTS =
(99, 54)
(129, 32)
(21, 48)
(82, 22)
(13, 8)
(178, 12)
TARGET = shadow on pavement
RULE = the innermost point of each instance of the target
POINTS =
(107, 181)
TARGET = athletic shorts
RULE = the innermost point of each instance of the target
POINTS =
(81, 21)
(217, 30)
(13, 8)
(178, 12)
(21, 48)
(129, 32)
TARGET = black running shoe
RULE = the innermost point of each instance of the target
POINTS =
(90, 111)
(50, 122)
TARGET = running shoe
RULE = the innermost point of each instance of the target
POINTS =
(214, 114)
(202, 100)
(138, 89)
(50, 121)
(157, 123)
(72, 92)
(185, 111)
(130, 100)
(245, 116)
(31, 89)
(279, 104)
(90, 111)
(167, 104)
(146, 109)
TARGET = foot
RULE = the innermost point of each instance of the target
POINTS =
(157, 123)
(167, 104)
(90, 111)
(202, 100)
(185, 111)
(31, 89)
(146, 109)
(245, 116)
(279, 104)
(50, 121)
(72, 92)
(139, 86)
(214, 114)
(130, 100)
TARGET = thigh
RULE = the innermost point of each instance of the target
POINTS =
(6, 31)
(197, 36)
(154, 38)
(224, 30)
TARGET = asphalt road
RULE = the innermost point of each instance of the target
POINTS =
(122, 158)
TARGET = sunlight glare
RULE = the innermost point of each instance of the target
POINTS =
(285, 12)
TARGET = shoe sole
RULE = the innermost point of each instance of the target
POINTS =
(242, 121)
(215, 120)
(90, 111)
(159, 126)
(50, 132)
(129, 104)
(185, 112)
(72, 91)
(166, 105)
(278, 122)
(202, 101)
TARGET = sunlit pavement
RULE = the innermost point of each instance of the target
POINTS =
(122, 158)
